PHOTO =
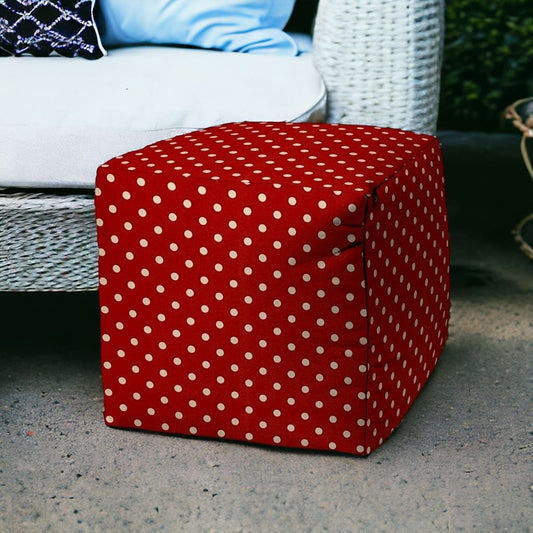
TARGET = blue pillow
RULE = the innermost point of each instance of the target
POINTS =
(230, 25)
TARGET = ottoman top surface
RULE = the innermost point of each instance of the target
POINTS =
(335, 159)
(310, 155)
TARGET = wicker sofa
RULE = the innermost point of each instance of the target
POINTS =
(380, 62)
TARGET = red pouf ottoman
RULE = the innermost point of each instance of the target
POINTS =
(283, 284)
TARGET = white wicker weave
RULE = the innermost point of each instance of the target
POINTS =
(47, 242)
(381, 62)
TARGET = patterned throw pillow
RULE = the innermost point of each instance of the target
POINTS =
(41, 27)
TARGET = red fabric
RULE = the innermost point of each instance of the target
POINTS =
(285, 284)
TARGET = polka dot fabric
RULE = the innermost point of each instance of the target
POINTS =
(283, 284)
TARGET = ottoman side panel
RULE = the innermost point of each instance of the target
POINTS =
(233, 309)
(407, 278)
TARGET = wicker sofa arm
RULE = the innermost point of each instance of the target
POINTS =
(381, 60)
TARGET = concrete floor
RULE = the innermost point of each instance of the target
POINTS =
(460, 461)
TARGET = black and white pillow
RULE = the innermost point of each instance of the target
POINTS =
(42, 27)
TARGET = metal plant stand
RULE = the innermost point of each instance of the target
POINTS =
(521, 115)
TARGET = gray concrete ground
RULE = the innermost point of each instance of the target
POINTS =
(460, 461)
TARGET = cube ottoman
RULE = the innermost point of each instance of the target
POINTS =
(277, 283)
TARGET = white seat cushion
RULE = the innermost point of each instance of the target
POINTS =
(62, 118)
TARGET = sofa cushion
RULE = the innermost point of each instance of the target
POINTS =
(42, 27)
(55, 134)
(230, 25)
